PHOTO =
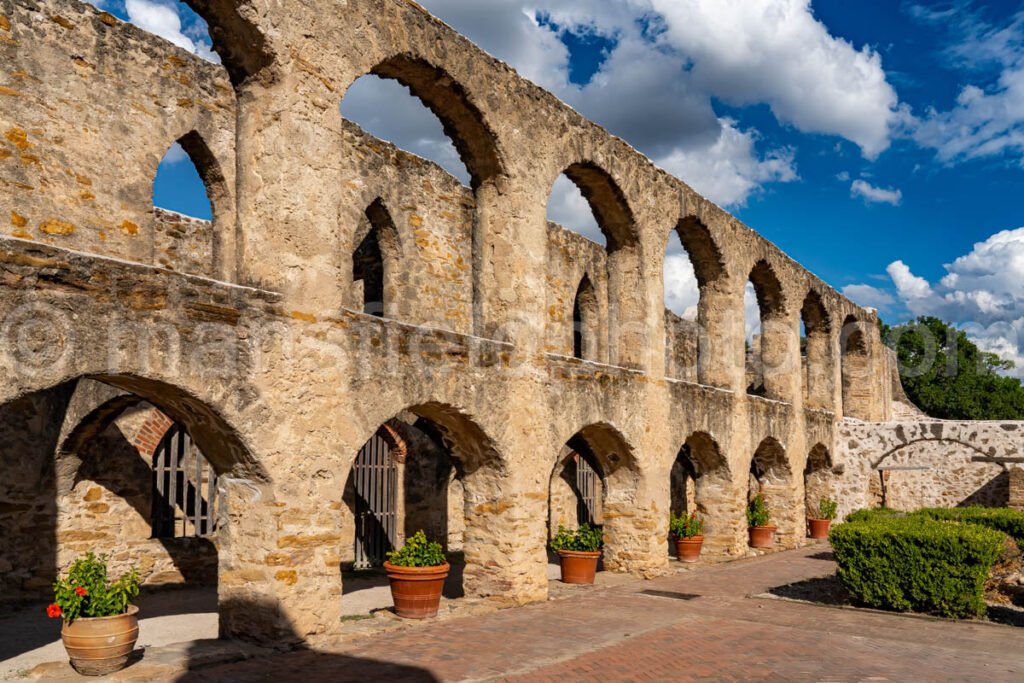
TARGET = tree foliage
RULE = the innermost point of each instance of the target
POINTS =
(947, 376)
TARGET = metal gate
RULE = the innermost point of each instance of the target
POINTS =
(181, 476)
(586, 488)
(375, 479)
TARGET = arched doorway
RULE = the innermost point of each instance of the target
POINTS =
(771, 476)
(767, 332)
(127, 467)
(701, 483)
(594, 480)
(428, 468)
(615, 227)
(817, 478)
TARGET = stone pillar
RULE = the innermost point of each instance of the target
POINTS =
(1016, 487)
(288, 151)
(722, 356)
(509, 257)
(279, 575)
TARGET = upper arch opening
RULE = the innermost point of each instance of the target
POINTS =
(377, 105)
(608, 203)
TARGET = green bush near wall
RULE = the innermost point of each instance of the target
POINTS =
(1010, 522)
(915, 562)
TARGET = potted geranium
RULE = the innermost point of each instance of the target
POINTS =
(417, 572)
(578, 552)
(759, 523)
(100, 625)
(687, 533)
(821, 519)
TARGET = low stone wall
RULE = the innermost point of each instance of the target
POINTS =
(908, 465)
(183, 243)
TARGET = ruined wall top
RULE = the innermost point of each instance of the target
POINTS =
(90, 105)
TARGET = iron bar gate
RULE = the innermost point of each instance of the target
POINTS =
(375, 477)
(180, 475)
(586, 487)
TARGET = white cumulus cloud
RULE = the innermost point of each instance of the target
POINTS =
(729, 171)
(875, 195)
(869, 295)
(777, 52)
(982, 292)
(163, 18)
(987, 119)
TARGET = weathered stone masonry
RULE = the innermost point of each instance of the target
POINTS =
(249, 331)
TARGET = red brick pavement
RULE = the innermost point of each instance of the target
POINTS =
(621, 634)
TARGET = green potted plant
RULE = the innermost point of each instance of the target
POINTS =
(759, 523)
(417, 572)
(578, 552)
(100, 623)
(821, 518)
(687, 530)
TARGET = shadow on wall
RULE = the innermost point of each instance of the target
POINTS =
(995, 493)
(328, 666)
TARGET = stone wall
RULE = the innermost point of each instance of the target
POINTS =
(90, 107)
(908, 465)
(275, 370)
(182, 243)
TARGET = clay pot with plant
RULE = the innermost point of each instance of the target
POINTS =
(687, 532)
(759, 523)
(417, 572)
(820, 519)
(100, 623)
(578, 552)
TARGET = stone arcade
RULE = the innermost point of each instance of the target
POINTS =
(347, 291)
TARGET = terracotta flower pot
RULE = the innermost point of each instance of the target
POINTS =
(101, 645)
(688, 549)
(762, 536)
(577, 566)
(416, 591)
(819, 528)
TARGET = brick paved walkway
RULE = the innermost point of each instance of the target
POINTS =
(650, 631)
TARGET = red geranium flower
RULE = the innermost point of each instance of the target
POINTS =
(80, 591)
(53, 611)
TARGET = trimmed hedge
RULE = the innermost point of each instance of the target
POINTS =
(870, 514)
(1010, 522)
(916, 563)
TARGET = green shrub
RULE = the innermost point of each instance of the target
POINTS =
(418, 552)
(685, 526)
(827, 508)
(758, 513)
(916, 563)
(869, 514)
(586, 539)
(87, 592)
(1010, 522)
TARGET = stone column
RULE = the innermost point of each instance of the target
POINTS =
(279, 578)
(722, 357)
(289, 167)
(1016, 486)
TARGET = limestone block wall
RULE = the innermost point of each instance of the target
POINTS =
(570, 258)
(680, 348)
(183, 243)
(908, 465)
(428, 257)
(279, 376)
(90, 107)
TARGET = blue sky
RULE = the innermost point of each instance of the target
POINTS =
(880, 142)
